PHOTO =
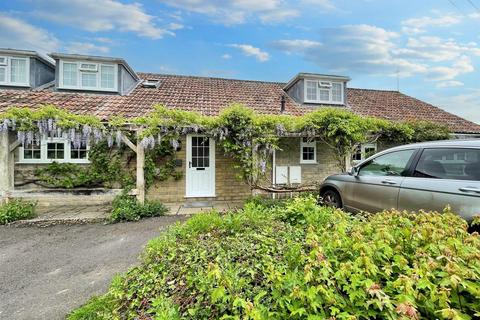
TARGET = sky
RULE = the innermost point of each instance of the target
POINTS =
(429, 49)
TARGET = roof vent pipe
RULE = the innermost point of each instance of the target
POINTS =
(282, 104)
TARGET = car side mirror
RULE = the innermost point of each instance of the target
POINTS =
(353, 171)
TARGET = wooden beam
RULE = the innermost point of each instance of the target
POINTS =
(129, 143)
(14, 145)
(140, 172)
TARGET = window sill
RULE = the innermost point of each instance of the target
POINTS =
(308, 162)
(341, 103)
(95, 89)
(52, 161)
(10, 84)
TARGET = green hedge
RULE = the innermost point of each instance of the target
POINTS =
(127, 208)
(301, 261)
(16, 209)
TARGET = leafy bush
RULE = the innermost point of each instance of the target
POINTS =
(127, 208)
(16, 209)
(302, 261)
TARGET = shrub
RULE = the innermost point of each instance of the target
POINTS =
(303, 261)
(127, 208)
(16, 209)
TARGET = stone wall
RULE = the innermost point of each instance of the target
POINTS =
(228, 186)
(289, 155)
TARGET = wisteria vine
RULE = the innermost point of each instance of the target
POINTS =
(248, 137)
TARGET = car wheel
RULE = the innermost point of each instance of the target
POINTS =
(331, 198)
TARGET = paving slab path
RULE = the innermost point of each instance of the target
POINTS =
(47, 272)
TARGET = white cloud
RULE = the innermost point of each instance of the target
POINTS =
(252, 51)
(239, 11)
(460, 66)
(226, 56)
(353, 48)
(102, 15)
(369, 49)
(86, 48)
(464, 104)
(436, 49)
(449, 84)
(19, 34)
(296, 45)
(418, 25)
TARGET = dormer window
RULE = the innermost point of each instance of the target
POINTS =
(88, 76)
(320, 91)
(14, 71)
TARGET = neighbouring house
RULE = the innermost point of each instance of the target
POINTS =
(106, 87)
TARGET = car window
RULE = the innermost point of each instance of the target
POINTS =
(390, 164)
(449, 163)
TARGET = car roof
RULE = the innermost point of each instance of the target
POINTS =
(469, 143)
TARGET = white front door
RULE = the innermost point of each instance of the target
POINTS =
(200, 166)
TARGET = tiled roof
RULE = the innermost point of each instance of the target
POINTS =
(210, 95)
(396, 106)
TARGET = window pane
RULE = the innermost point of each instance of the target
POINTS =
(308, 153)
(369, 151)
(18, 70)
(311, 90)
(3, 74)
(89, 79)
(324, 95)
(337, 92)
(55, 150)
(457, 164)
(391, 164)
(31, 151)
(107, 77)
(88, 66)
(70, 74)
(80, 153)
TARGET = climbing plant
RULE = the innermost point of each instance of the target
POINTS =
(246, 136)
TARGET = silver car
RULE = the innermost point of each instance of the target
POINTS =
(429, 176)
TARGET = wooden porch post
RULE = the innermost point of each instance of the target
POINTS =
(140, 171)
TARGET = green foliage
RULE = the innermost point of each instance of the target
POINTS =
(127, 208)
(244, 135)
(303, 261)
(160, 164)
(16, 209)
(26, 118)
(105, 169)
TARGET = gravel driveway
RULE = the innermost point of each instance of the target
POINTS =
(46, 272)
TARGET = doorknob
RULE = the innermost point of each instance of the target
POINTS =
(386, 181)
(470, 189)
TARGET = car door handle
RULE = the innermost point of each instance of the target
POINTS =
(470, 189)
(391, 182)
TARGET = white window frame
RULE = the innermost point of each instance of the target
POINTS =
(319, 86)
(362, 151)
(80, 71)
(8, 70)
(43, 153)
(310, 144)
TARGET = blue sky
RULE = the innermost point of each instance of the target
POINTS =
(432, 47)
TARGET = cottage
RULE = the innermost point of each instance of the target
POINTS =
(107, 87)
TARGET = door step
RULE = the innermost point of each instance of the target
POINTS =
(198, 204)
